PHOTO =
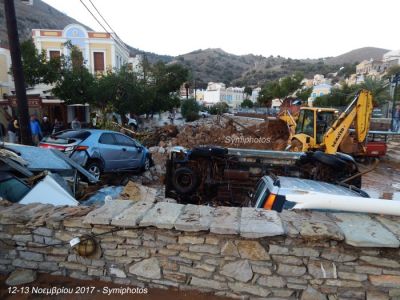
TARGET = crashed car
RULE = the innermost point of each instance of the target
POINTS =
(272, 191)
(227, 176)
(100, 151)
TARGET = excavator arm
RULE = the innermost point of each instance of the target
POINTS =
(358, 112)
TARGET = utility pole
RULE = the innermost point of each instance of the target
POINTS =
(19, 80)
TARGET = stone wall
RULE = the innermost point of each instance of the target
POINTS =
(227, 251)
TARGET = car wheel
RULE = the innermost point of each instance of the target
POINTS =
(94, 168)
(147, 164)
(185, 180)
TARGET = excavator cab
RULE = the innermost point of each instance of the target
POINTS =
(311, 126)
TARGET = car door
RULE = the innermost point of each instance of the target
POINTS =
(110, 151)
(131, 154)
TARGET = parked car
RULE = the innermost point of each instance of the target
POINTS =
(204, 114)
(271, 191)
(100, 151)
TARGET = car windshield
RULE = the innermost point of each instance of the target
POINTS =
(67, 137)
(13, 190)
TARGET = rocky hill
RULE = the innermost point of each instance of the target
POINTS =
(357, 55)
(218, 65)
(206, 65)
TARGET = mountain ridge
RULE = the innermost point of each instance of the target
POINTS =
(210, 64)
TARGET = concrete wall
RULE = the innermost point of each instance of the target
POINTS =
(238, 252)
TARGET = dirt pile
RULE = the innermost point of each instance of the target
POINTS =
(269, 135)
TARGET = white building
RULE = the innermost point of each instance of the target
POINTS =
(391, 56)
(135, 63)
(217, 92)
(318, 91)
(254, 94)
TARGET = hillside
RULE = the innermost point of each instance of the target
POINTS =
(357, 55)
(217, 65)
(42, 15)
(206, 65)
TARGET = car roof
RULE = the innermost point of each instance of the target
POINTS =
(91, 130)
(294, 185)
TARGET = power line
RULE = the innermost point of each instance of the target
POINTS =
(109, 26)
(118, 42)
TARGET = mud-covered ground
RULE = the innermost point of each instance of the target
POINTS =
(384, 181)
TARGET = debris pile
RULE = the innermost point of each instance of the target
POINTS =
(271, 134)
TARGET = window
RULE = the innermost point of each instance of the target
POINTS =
(54, 54)
(107, 138)
(98, 58)
(124, 140)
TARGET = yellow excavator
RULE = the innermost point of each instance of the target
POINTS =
(325, 130)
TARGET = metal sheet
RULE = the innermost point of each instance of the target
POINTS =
(48, 191)
(39, 159)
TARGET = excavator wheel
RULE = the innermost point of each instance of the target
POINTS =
(296, 146)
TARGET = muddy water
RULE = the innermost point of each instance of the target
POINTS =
(384, 181)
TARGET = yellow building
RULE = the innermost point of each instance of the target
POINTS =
(6, 81)
(101, 51)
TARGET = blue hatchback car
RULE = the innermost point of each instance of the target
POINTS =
(100, 151)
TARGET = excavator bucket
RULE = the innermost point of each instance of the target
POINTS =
(364, 110)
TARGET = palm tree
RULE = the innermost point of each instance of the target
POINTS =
(379, 89)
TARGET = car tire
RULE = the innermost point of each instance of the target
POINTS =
(94, 168)
(330, 160)
(184, 180)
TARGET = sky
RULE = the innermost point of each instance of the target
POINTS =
(289, 28)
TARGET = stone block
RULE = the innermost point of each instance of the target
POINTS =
(195, 218)
(208, 284)
(193, 240)
(106, 213)
(195, 272)
(239, 287)
(43, 231)
(117, 272)
(322, 269)
(205, 249)
(239, 270)
(147, 268)
(272, 281)
(361, 230)
(162, 215)
(288, 270)
(32, 256)
(226, 220)
(380, 261)
(229, 248)
(256, 223)
(132, 216)
(252, 250)
(386, 281)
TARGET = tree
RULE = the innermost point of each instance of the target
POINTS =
(248, 91)
(339, 97)
(393, 70)
(304, 94)
(190, 109)
(279, 88)
(247, 103)
(379, 89)
(219, 108)
(37, 69)
(75, 85)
